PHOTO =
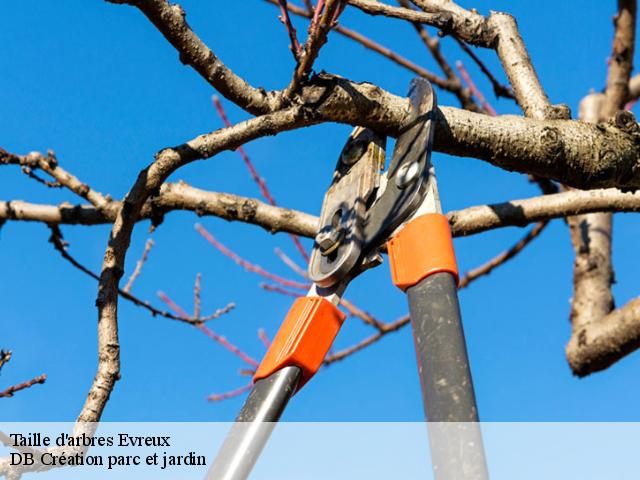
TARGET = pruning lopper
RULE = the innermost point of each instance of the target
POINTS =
(363, 211)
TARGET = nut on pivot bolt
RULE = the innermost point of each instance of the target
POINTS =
(329, 237)
(328, 240)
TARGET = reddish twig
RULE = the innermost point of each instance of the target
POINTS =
(139, 265)
(22, 386)
(291, 264)
(248, 265)
(474, 89)
(262, 184)
(228, 345)
(216, 397)
(293, 35)
(269, 287)
(184, 316)
(366, 317)
(324, 19)
(375, 47)
(264, 190)
(262, 335)
(207, 331)
(196, 296)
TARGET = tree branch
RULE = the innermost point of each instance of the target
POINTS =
(469, 221)
(22, 386)
(170, 20)
(594, 346)
(49, 164)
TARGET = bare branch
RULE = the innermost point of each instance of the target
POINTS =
(49, 164)
(60, 246)
(22, 386)
(5, 356)
(291, 264)
(262, 184)
(257, 269)
(293, 36)
(323, 22)
(136, 272)
(621, 62)
(595, 343)
(386, 329)
(217, 397)
(475, 90)
(170, 20)
(207, 331)
(373, 7)
(374, 46)
(469, 221)
(479, 219)
(357, 312)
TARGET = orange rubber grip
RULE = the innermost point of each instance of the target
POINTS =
(304, 338)
(423, 247)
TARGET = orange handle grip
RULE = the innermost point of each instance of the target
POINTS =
(423, 247)
(303, 339)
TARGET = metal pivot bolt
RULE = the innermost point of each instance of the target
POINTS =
(407, 173)
(328, 239)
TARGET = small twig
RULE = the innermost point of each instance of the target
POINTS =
(270, 287)
(5, 356)
(474, 89)
(216, 397)
(207, 331)
(139, 264)
(499, 89)
(229, 346)
(488, 267)
(262, 184)
(257, 269)
(262, 335)
(49, 164)
(324, 19)
(366, 317)
(375, 47)
(60, 246)
(185, 317)
(387, 328)
(196, 296)
(293, 35)
(291, 264)
(28, 171)
(22, 386)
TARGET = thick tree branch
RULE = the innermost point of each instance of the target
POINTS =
(469, 221)
(596, 343)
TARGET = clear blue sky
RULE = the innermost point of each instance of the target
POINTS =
(99, 85)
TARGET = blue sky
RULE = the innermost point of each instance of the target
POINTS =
(100, 86)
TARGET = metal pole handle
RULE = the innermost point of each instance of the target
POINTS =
(456, 448)
(252, 428)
